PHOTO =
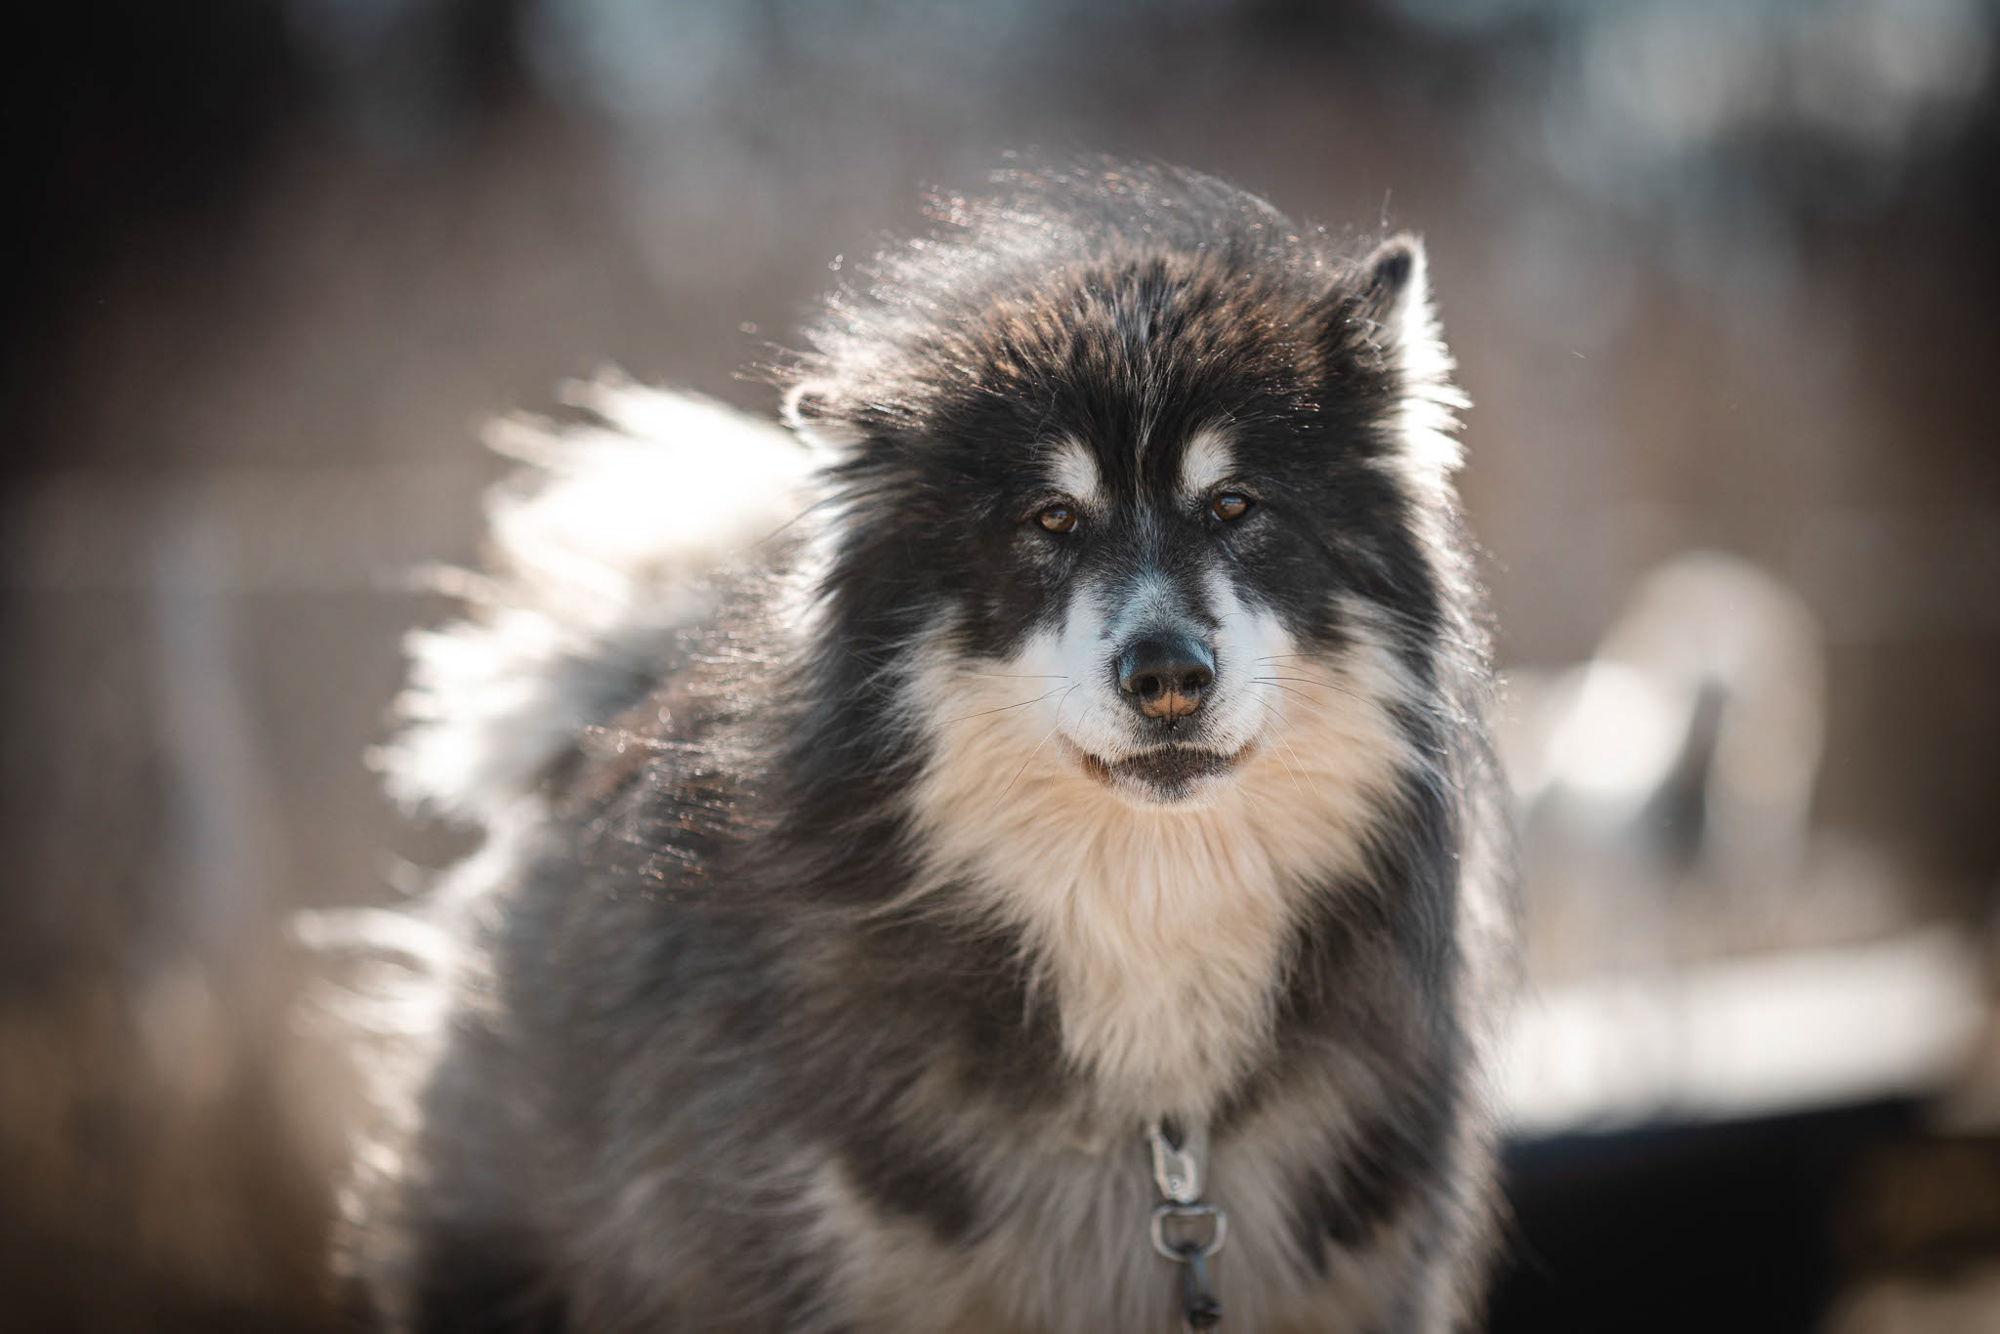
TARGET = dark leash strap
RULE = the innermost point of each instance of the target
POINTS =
(1184, 1230)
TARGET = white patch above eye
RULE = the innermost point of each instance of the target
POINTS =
(1206, 462)
(1073, 470)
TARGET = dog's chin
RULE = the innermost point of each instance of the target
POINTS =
(1167, 776)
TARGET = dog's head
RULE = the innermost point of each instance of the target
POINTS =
(1134, 479)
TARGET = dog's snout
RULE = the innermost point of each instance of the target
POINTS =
(1166, 676)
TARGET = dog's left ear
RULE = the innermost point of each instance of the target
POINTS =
(1394, 303)
(1395, 285)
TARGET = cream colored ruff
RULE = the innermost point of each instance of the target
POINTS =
(1159, 929)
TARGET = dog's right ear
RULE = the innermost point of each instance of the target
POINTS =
(809, 408)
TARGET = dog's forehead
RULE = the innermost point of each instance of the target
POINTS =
(1139, 376)
(1183, 463)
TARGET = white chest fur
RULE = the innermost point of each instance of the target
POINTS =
(1160, 932)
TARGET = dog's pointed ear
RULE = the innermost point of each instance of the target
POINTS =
(1394, 304)
(810, 408)
(1395, 281)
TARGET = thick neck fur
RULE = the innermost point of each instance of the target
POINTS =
(1161, 933)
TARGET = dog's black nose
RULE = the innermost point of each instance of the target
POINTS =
(1165, 676)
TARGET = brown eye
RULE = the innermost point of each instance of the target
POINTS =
(1058, 518)
(1229, 505)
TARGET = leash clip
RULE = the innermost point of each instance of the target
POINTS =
(1184, 1230)
(1176, 1171)
(1190, 1242)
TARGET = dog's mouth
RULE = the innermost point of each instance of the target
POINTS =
(1164, 775)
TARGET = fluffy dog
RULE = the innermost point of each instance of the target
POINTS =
(1056, 882)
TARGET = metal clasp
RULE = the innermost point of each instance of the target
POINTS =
(1216, 1226)
(1184, 1230)
(1176, 1171)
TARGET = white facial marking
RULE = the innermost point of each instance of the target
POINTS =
(1103, 619)
(1073, 469)
(1206, 462)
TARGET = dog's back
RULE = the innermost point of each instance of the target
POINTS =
(1101, 755)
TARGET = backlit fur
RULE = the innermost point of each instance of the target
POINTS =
(844, 920)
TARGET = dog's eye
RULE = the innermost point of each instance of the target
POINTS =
(1230, 505)
(1058, 518)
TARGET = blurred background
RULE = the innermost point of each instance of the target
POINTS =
(1721, 276)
